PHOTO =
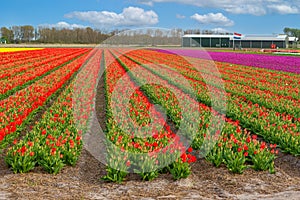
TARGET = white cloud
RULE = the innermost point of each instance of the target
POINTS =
(253, 7)
(213, 18)
(131, 16)
(178, 16)
(246, 9)
(146, 2)
(284, 9)
(63, 25)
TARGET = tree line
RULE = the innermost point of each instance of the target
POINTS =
(88, 35)
(29, 34)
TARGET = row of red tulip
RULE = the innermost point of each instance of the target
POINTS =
(230, 139)
(139, 143)
(19, 56)
(21, 77)
(283, 83)
(18, 109)
(53, 141)
(19, 66)
(266, 98)
(270, 124)
(17, 60)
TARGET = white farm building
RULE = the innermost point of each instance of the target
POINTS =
(228, 41)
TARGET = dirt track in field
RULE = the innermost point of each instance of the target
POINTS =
(206, 182)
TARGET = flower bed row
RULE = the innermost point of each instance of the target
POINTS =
(131, 148)
(17, 67)
(18, 62)
(32, 72)
(266, 98)
(56, 139)
(234, 146)
(274, 127)
(85, 89)
(17, 110)
(285, 84)
(52, 143)
(15, 57)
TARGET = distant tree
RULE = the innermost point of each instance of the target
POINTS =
(7, 34)
(27, 33)
(91, 36)
(294, 32)
(17, 33)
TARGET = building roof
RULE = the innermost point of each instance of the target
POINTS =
(207, 36)
(244, 37)
(257, 38)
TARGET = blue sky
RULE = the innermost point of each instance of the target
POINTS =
(244, 16)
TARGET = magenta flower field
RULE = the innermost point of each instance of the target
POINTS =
(281, 63)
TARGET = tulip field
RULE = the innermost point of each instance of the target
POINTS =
(238, 115)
